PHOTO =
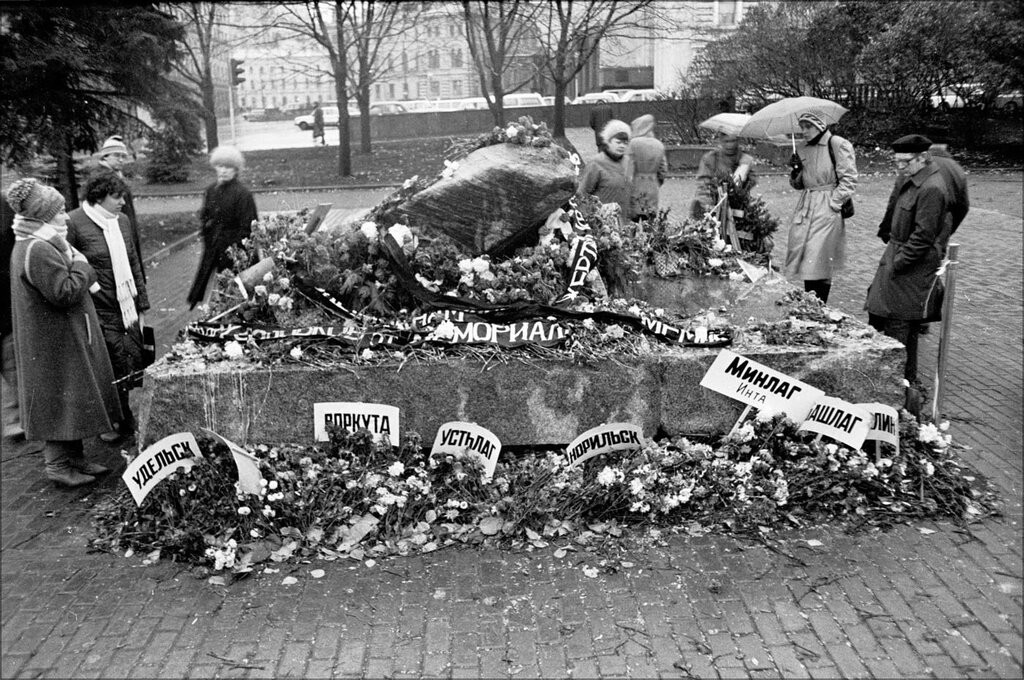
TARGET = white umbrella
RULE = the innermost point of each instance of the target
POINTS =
(780, 118)
(727, 123)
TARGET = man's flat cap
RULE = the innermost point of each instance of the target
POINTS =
(911, 144)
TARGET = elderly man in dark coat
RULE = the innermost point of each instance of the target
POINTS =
(225, 218)
(956, 188)
(906, 292)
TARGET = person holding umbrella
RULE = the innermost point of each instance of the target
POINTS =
(824, 169)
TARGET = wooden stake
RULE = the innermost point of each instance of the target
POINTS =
(742, 417)
(947, 324)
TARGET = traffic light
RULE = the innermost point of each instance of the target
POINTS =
(237, 72)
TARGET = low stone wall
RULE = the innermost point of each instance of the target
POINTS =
(539, 402)
(686, 156)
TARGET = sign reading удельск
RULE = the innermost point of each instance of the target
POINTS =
(840, 420)
(457, 436)
(884, 425)
(760, 386)
(380, 419)
(159, 461)
(604, 439)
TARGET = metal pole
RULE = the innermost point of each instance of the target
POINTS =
(231, 113)
(947, 323)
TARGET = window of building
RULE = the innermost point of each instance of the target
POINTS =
(435, 89)
(376, 89)
(727, 11)
(433, 59)
(405, 62)
(391, 90)
(456, 58)
(456, 88)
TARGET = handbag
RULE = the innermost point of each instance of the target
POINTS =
(148, 346)
(846, 210)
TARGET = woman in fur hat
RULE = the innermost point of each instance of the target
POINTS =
(65, 382)
(605, 174)
(103, 234)
(225, 218)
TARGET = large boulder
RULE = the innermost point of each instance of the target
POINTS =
(495, 199)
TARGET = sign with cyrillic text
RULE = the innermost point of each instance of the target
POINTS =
(380, 419)
(159, 461)
(759, 386)
(604, 439)
(249, 477)
(457, 436)
(845, 422)
(884, 425)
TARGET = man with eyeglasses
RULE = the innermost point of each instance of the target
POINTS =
(906, 293)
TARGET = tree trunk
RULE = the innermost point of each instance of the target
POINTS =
(364, 106)
(209, 112)
(340, 87)
(559, 130)
(66, 181)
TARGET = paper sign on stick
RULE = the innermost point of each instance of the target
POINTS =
(759, 386)
(884, 425)
(249, 477)
(159, 461)
(604, 439)
(753, 272)
(457, 436)
(380, 419)
(840, 420)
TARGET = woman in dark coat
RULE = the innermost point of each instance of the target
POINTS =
(101, 232)
(65, 382)
(605, 174)
(225, 219)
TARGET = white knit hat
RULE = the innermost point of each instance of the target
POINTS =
(113, 144)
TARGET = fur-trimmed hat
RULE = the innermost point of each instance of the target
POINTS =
(911, 144)
(228, 156)
(614, 128)
(31, 198)
(113, 144)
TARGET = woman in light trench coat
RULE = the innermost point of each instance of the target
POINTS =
(817, 231)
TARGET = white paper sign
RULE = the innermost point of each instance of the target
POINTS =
(159, 461)
(457, 436)
(845, 422)
(885, 423)
(604, 439)
(761, 387)
(249, 477)
(380, 419)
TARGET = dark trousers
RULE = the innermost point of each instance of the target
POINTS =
(907, 332)
(819, 287)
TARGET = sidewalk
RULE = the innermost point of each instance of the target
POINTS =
(900, 604)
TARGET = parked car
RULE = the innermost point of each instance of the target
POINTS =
(550, 101)
(331, 116)
(648, 95)
(1009, 102)
(595, 98)
(387, 108)
(958, 96)
(520, 100)
(254, 114)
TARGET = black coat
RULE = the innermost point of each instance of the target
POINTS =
(128, 208)
(6, 246)
(225, 219)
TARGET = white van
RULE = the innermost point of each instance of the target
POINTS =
(639, 96)
(522, 99)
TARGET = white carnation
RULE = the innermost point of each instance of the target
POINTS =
(369, 230)
(233, 350)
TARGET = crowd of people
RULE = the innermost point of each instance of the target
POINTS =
(74, 295)
(75, 284)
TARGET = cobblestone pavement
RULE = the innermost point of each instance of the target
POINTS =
(899, 604)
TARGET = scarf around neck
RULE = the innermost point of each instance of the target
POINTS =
(124, 281)
(25, 228)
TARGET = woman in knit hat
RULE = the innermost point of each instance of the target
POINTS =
(226, 218)
(825, 172)
(605, 174)
(646, 167)
(103, 234)
(65, 381)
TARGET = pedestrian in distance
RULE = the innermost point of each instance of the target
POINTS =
(605, 175)
(12, 429)
(719, 165)
(318, 125)
(824, 169)
(65, 381)
(100, 231)
(599, 117)
(906, 293)
(111, 159)
(225, 219)
(646, 167)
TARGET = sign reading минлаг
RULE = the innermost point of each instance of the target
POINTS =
(158, 462)
(884, 424)
(759, 386)
(604, 439)
(845, 422)
(457, 436)
(380, 419)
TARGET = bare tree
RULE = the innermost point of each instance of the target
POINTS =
(571, 31)
(372, 26)
(308, 20)
(500, 35)
(201, 48)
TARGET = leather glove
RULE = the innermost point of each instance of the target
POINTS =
(797, 166)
